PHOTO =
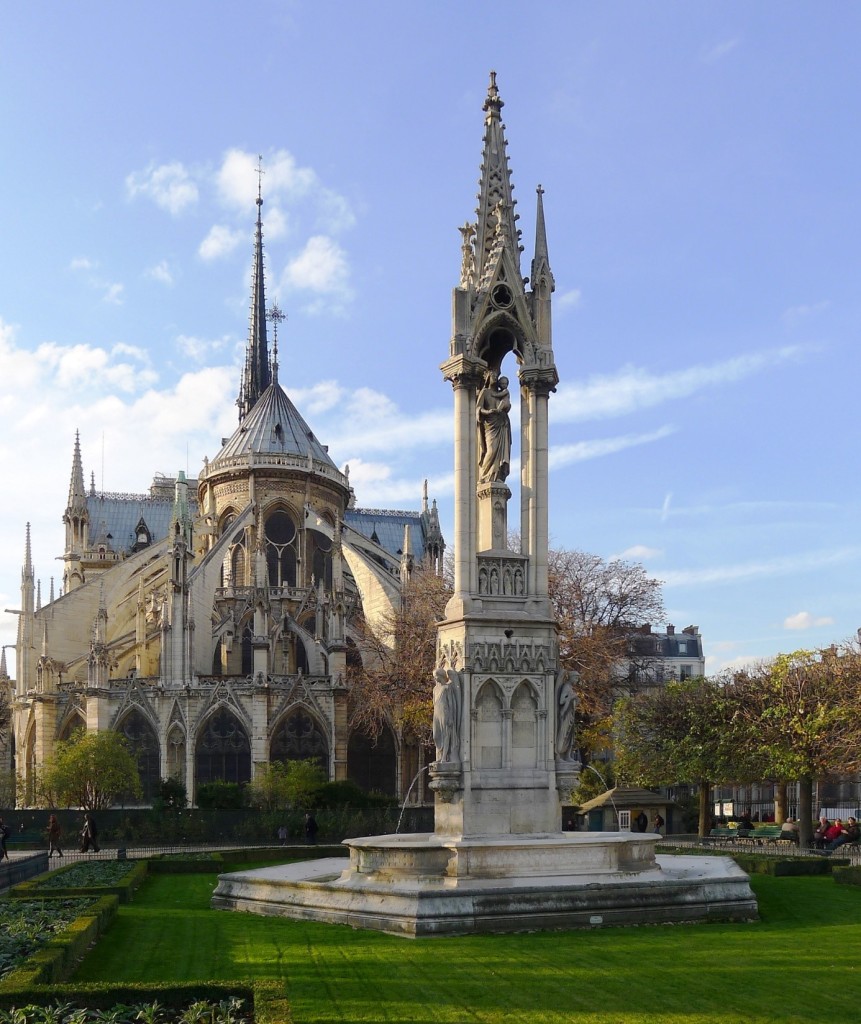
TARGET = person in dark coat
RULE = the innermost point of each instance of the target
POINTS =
(54, 833)
(89, 835)
(4, 835)
(310, 828)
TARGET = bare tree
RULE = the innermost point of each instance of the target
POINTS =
(392, 681)
(599, 608)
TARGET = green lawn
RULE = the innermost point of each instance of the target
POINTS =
(799, 963)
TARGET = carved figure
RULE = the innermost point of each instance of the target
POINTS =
(566, 706)
(494, 429)
(446, 714)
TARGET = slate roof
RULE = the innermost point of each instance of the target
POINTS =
(119, 514)
(274, 427)
(388, 525)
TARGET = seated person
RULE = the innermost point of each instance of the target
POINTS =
(819, 833)
(833, 832)
(745, 821)
(789, 827)
(849, 833)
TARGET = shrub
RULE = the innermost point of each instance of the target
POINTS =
(220, 794)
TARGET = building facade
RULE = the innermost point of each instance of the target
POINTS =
(210, 620)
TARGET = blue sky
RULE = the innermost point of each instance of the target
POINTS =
(700, 165)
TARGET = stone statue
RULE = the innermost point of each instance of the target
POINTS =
(446, 714)
(494, 429)
(566, 706)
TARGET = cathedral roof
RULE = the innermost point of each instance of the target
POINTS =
(274, 426)
(386, 528)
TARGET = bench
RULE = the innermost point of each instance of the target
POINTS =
(725, 834)
(773, 834)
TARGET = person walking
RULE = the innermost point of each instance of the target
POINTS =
(54, 833)
(310, 828)
(4, 835)
(89, 835)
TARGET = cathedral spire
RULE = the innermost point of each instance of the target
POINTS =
(496, 216)
(256, 376)
(77, 494)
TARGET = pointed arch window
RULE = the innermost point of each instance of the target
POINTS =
(143, 743)
(280, 539)
(223, 750)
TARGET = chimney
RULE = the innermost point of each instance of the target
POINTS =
(671, 629)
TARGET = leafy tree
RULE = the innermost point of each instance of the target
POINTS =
(684, 732)
(599, 608)
(398, 655)
(800, 713)
(278, 785)
(91, 770)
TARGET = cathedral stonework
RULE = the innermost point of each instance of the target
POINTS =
(209, 621)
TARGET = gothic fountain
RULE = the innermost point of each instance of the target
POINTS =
(503, 708)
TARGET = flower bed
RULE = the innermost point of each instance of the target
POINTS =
(93, 878)
(27, 926)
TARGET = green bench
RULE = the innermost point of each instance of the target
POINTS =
(725, 834)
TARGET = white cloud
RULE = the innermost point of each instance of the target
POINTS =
(634, 388)
(751, 570)
(641, 553)
(219, 242)
(795, 314)
(564, 454)
(169, 186)
(113, 294)
(161, 272)
(804, 620)
(568, 300)
(321, 267)
(377, 482)
(719, 51)
(322, 397)
(199, 349)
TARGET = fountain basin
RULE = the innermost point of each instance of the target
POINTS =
(425, 885)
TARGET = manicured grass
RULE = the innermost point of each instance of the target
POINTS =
(799, 963)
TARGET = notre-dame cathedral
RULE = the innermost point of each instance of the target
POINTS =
(210, 621)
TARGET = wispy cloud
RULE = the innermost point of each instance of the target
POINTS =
(112, 291)
(795, 314)
(787, 565)
(713, 54)
(569, 300)
(641, 553)
(634, 388)
(169, 186)
(564, 454)
(804, 620)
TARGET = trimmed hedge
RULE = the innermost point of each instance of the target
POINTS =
(754, 865)
(849, 875)
(123, 888)
(57, 959)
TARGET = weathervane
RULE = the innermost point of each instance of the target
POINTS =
(260, 173)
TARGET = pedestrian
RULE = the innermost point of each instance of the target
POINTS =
(89, 835)
(282, 834)
(658, 823)
(54, 833)
(310, 828)
(4, 835)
